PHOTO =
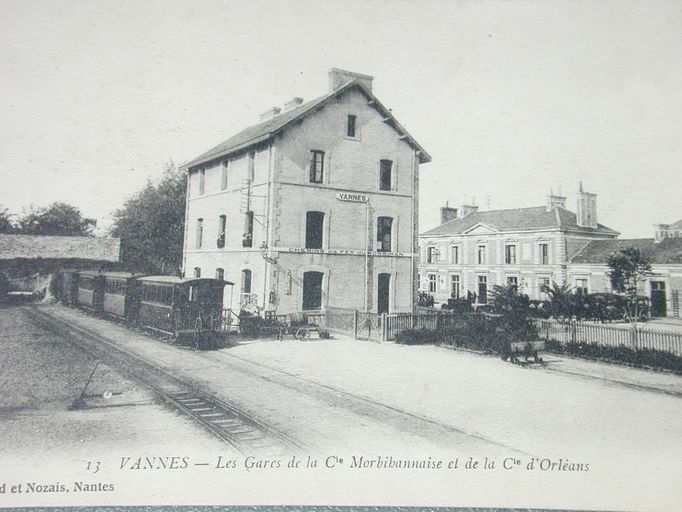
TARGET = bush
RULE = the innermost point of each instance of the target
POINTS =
(641, 357)
(416, 337)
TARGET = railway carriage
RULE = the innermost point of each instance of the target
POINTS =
(181, 306)
(91, 290)
(121, 296)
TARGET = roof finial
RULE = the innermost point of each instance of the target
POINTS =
(581, 187)
(551, 191)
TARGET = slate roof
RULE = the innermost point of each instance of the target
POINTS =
(59, 247)
(517, 219)
(668, 250)
(263, 131)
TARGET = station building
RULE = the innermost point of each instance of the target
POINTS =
(530, 248)
(662, 285)
(314, 207)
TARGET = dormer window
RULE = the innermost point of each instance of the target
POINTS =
(350, 126)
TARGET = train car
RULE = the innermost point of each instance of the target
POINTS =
(68, 287)
(121, 296)
(181, 306)
(91, 290)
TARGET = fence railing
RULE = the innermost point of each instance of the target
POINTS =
(628, 335)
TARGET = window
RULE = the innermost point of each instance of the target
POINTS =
(513, 282)
(543, 288)
(481, 254)
(581, 286)
(220, 273)
(200, 233)
(454, 252)
(432, 283)
(316, 166)
(223, 175)
(510, 254)
(158, 294)
(197, 272)
(385, 174)
(314, 223)
(247, 240)
(384, 225)
(454, 286)
(482, 289)
(115, 287)
(246, 281)
(202, 181)
(543, 253)
(222, 222)
(350, 126)
(431, 255)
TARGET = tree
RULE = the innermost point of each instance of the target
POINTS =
(561, 303)
(151, 225)
(628, 268)
(6, 224)
(514, 308)
(56, 219)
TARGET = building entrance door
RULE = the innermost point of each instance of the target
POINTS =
(312, 290)
(658, 303)
(383, 293)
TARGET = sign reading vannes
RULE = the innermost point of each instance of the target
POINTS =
(353, 197)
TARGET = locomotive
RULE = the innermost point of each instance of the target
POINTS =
(176, 307)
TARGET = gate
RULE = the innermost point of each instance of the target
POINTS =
(369, 327)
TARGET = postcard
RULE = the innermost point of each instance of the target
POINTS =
(342, 254)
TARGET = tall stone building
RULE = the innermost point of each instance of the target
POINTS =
(472, 251)
(314, 207)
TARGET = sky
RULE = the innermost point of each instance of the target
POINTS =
(510, 98)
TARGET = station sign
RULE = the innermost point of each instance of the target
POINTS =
(353, 197)
(343, 252)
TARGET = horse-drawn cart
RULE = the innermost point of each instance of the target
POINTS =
(525, 350)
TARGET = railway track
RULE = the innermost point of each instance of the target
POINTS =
(236, 428)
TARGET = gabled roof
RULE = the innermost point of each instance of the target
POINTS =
(59, 247)
(668, 250)
(263, 131)
(517, 219)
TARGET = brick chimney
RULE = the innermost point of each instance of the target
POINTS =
(586, 213)
(340, 77)
(554, 201)
(270, 113)
(292, 103)
(447, 213)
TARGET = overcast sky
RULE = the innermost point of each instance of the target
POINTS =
(510, 98)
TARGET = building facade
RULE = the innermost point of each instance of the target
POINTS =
(589, 267)
(472, 251)
(314, 207)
